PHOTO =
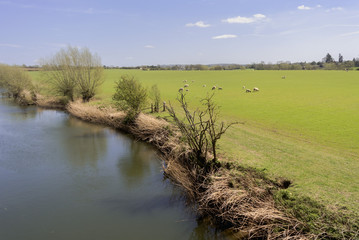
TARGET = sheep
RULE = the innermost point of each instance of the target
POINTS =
(186, 85)
(220, 88)
(255, 89)
(244, 87)
(204, 85)
(193, 81)
(214, 87)
(283, 77)
(187, 90)
(248, 90)
(180, 90)
(184, 80)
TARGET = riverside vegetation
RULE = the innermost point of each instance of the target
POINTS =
(247, 200)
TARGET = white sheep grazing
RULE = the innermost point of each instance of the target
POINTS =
(214, 87)
(204, 85)
(192, 80)
(184, 80)
(283, 77)
(244, 87)
(255, 89)
(186, 85)
(248, 90)
(220, 88)
(180, 90)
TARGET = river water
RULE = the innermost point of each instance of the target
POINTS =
(62, 178)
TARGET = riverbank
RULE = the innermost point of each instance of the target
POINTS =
(241, 199)
(247, 207)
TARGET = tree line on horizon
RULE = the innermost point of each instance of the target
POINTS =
(327, 63)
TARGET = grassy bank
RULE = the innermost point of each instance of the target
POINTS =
(302, 127)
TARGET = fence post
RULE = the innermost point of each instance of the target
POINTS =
(164, 106)
(151, 107)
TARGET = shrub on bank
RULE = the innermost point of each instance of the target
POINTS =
(17, 82)
(130, 96)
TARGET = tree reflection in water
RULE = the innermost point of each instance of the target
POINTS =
(90, 142)
(136, 164)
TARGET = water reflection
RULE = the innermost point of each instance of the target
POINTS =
(139, 206)
(136, 164)
(204, 231)
(83, 143)
(20, 112)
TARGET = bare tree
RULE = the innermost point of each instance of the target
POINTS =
(200, 128)
(215, 130)
(73, 69)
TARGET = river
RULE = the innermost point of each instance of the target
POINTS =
(62, 178)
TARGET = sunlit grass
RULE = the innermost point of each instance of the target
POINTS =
(304, 126)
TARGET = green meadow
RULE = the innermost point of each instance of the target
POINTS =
(304, 127)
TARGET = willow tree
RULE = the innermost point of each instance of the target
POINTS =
(73, 69)
(14, 80)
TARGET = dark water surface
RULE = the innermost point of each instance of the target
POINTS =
(61, 178)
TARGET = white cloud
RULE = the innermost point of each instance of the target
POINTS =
(302, 7)
(349, 34)
(259, 16)
(239, 19)
(335, 9)
(10, 45)
(149, 46)
(224, 36)
(200, 24)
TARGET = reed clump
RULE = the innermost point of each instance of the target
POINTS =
(105, 116)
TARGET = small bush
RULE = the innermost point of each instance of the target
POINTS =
(130, 96)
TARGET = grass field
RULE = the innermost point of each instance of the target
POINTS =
(304, 127)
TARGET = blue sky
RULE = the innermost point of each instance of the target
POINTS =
(140, 32)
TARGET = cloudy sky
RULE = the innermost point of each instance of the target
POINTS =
(138, 32)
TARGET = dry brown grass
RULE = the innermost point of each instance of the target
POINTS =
(26, 98)
(247, 209)
(108, 116)
(150, 129)
(161, 134)
(49, 102)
